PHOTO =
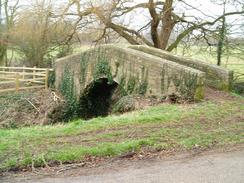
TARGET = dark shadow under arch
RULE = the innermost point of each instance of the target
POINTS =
(96, 98)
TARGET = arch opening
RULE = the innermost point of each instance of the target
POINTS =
(97, 98)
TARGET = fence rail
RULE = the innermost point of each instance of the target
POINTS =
(23, 78)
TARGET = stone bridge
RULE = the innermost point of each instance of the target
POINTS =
(142, 70)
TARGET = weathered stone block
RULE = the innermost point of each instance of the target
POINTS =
(216, 76)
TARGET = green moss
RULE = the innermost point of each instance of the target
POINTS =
(162, 81)
(177, 80)
(117, 69)
(103, 70)
(122, 81)
(83, 68)
(121, 86)
(131, 85)
(199, 93)
(226, 86)
(142, 89)
(188, 86)
(168, 82)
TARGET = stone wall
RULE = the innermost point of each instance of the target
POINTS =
(216, 76)
(72, 63)
(135, 71)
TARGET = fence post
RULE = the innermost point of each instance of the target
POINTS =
(23, 72)
(34, 74)
(17, 77)
(46, 79)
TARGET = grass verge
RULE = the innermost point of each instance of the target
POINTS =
(165, 127)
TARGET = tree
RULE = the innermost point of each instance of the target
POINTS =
(222, 34)
(225, 32)
(7, 18)
(163, 18)
(39, 36)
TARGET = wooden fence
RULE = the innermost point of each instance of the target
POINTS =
(23, 78)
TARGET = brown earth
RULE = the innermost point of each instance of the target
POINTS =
(27, 108)
(31, 108)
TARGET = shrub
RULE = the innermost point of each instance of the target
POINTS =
(125, 104)
(67, 88)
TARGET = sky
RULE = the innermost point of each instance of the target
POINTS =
(204, 5)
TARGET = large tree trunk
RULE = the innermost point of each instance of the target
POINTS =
(154, 24)
(167, 24)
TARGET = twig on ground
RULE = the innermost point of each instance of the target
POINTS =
(72, 166)
(44, 161)
(56, 97)
(2, 112)
(32, 165)
(32, 105)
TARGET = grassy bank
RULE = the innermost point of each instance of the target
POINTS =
(165, 127)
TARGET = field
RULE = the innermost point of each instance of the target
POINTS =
(217, 121)
(232, 61)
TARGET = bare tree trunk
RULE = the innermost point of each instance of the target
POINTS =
(221, 42)
(167, 24)
(222, 33)
(0, 12)
(154, 24)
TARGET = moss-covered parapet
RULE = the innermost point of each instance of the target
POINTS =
(134, 71)
(216, 76)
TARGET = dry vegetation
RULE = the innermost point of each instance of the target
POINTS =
(27, 108)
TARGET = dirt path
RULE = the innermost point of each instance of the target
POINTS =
(219, 167)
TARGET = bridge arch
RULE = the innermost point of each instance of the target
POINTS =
(97, 98)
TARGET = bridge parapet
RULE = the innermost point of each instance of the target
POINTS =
(217, 77)
(135, 71)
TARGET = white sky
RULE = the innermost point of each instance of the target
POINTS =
(204, 5)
